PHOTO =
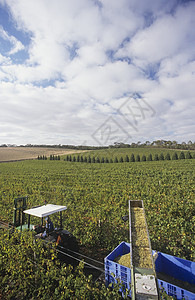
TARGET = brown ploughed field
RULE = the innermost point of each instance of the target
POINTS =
(21, 153)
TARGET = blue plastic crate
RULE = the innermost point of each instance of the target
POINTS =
(114, 270)
(177, 268)
(175, 291)
(173, 266)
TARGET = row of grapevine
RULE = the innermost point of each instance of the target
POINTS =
(30, 270)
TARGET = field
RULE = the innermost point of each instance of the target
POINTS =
(22, 153)
(97, 197)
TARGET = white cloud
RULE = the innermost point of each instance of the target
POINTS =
(95, 54)
(167, 36)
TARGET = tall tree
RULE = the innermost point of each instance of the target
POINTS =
(167, 156)
(121, 160)
(181, 155)
(161, 156)
(188, 155)
(116, 160)
(97, 160)
(175, 156)
(132, 158)
(149, 158)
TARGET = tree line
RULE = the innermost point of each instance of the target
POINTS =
(132, 158)
(52, 157)
(147, 144)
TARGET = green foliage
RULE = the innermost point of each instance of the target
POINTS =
(182, 155)
(161, 156)
(102, 157)
(113, 152)
(188, 155)
(121, 159)
(116, 160)
(132, 158)
(97, 196)
(149, 157)
(55, 157)
(175, 156)
(167, 156)
(30, 270)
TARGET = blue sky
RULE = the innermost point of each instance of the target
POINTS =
(96, 72)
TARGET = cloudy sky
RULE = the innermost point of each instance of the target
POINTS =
(96, 72)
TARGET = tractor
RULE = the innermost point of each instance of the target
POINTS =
(64, 239)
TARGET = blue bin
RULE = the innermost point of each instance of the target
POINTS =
(177, 268)
(114, 270)
(171, 265)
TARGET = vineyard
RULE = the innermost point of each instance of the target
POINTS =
(97, 197)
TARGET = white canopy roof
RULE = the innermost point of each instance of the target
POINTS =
(45, 210)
